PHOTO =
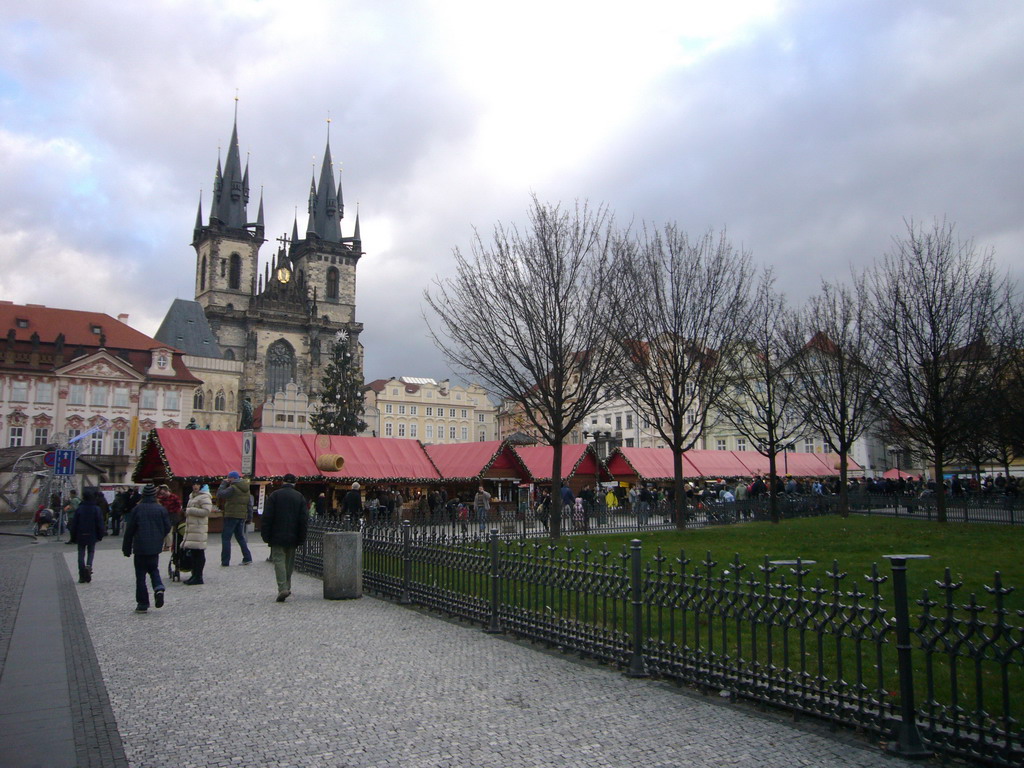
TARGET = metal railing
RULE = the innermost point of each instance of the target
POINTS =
(948, 677)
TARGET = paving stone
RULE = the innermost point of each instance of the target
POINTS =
(224, 675)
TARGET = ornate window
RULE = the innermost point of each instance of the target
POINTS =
(229, 354)
(235, 272)
(202, 276)
(218, 402)
(197, 400)
(332, 283)
(280, 366)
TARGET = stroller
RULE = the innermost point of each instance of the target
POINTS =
(180, 557)
(46, 522)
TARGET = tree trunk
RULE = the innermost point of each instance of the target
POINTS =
(940, 489)
(844, 494)
(773, 496)
(679, 500)
(556, 491)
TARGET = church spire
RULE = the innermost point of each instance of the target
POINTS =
(259, 215)
(231, 187)
(326, 221)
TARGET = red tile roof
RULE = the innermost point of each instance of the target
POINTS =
(76, 325)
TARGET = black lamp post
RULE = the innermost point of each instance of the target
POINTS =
(602, 438)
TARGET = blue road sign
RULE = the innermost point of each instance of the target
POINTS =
(64, 463)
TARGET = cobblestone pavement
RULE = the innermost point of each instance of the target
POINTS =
(225, 676)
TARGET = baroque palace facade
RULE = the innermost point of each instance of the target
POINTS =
(255, 329)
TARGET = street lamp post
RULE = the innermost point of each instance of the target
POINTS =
(896, 451)
(602, 438)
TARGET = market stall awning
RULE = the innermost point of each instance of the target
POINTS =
(380, 459)
(279, 454)
(647, 464)
(473, 461)
(717, 464)
(537, 460)
(181, 453)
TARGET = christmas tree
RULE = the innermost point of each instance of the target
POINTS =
(341, 395)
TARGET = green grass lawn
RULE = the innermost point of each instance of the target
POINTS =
(972, 552)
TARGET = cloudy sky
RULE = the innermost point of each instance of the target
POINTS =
(810, 130)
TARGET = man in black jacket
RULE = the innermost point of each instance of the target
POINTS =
(285, 518)
(144, 533)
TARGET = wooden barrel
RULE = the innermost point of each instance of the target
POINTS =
(330, 462)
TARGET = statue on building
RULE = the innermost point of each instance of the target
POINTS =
(246, 420)
(192, 424)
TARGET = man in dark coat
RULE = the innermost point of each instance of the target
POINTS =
(86, 528)
(285, 519)
(352, 504)
(144, 534)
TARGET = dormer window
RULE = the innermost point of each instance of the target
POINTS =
(97, 329)
(22, 322)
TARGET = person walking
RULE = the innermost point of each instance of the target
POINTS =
(197, 526)
(352, 505)
(233, 494)
(482, 505)
(87, 527)
(144, 536)
(285, 520)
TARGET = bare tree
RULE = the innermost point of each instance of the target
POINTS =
(528, 314)
(688, 298)
(942, 331)
(834, 380)
(759, 400)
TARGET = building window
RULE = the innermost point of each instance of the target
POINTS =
(618, 422)
(202, 276)
(465, 434)
(121, 397)
(96, 443)
(15, 435)
(720, 445)
(629, 442)
(119, 441)
(809, 445)
(451, 413)
(171, 402)
(197, 400)
(147, 399)
(235, 276)
(413, 432)
(401, 430)
(430, 410)
(388, 408)
(741, 444)
(430, 431)
(73, 433)
(44, 392)
(629, 421)
(465, 413)
(98, 396)
(691, 418)
(451, 433)
(19, 391)
(76, 395)
(401, 410)
(482, 437)
(219, 403)
(389, 429)
(413, 410)
(332, 283)
(430, 393)
(480, 418)
(280, 366)
(42, 435)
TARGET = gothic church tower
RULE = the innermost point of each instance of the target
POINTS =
(283, 323)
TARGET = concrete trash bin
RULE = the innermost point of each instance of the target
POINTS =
(343, 565)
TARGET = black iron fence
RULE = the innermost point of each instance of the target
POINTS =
(940, 673)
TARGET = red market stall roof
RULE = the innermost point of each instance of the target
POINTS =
(647, 464)
(577, 459)
(382, 459)
(896, 474)
(472, 461)
(796, 464)
(279, 454)
(189, 453)
(716, 464)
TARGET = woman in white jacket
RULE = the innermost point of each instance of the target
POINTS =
(197, 524)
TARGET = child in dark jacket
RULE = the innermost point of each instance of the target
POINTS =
(86, 528)
(144, 533)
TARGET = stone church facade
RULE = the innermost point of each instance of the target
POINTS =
(279, 321)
